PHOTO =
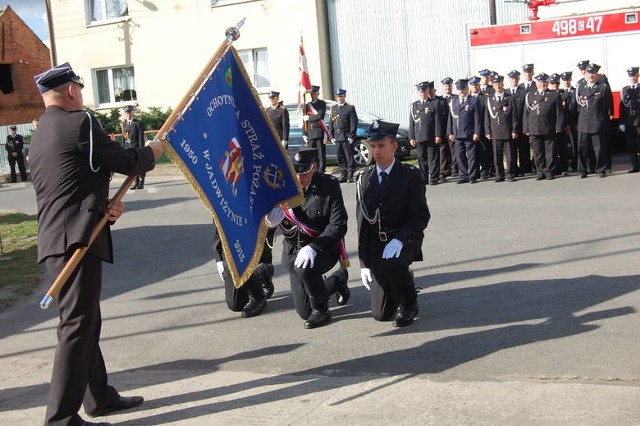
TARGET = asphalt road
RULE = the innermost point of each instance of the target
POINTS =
(528, 316)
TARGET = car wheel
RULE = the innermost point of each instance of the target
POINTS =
(362, 153)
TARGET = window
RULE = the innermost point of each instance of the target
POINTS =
(101, 10)
(6, 81)
(115, 85)
(256, 63)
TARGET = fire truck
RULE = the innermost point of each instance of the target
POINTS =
(556, 45)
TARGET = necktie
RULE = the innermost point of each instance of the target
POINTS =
(383, 178)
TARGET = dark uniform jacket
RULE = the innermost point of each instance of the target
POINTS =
(487, 90)
(402, 206)
(444, 111)
(72, 198)
(323, 210)
(465, 118)
(531, 88)
(595, 106)
(426, 120)
(500, 118)
(542, 113)
(15, 143)
(314, 129)
(133, 133)
(630, 106)
(280, 118)
(518, 101)
(568, 101)
(343, 122)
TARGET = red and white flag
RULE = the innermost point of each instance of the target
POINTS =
(305, 82)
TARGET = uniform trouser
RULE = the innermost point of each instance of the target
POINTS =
(237, 298)
(345, 157)
(322, 152)
(467, 159)
(572, 137)
(544, 154)
(79, 374)
(524, 155)
(448, 161)
(563, 147)
(485, 156)
(428, 154)
(507, 148)
(392, 283)
(307, 284)
(591, 141)
(632, 142)
(21, 167)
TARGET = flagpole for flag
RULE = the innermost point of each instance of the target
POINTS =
(231, 35)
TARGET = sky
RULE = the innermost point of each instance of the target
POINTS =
(32, 12)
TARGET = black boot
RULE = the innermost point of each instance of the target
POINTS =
(265, 272)
(405, 315)
(318, 318)
(341, 276)
(141, 183)
(135, 185)
(257, 299)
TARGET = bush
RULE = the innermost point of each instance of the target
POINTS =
(152, 119)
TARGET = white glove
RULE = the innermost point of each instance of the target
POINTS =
(305, 118)
(333, 141)
(285, 143)
(305, 257)
(623, 128)
(365, 275)
(274, 217)
(350, 140)
(220, 266)
(392, 249)
(305, 138)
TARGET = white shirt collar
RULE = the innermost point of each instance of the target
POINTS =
(388, 169)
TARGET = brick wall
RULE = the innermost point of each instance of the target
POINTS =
(23, 55)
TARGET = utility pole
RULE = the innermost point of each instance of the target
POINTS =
(52, 37)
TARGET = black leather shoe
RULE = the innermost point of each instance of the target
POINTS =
(405, 315)
(550, 177)
(254, 307)
(472, 181)
(633, 171)
(540, 177)
(141, 186)
(602, 174)
(318, 318)
(342, 291)
(122, 403)
(86, 423)
(582, 176)
(462, 181)
(135, 186)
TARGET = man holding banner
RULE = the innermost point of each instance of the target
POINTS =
(71, 162)
(314, 129)
(313, 241)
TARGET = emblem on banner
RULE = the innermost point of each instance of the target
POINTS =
(228, 78)
(232, 165)
(274, 176)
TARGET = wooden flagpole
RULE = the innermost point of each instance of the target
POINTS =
(231, 34)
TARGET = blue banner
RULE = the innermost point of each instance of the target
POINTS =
(230, 154)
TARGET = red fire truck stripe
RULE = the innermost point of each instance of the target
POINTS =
(579, 26)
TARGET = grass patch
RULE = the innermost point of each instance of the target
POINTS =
(19, 270)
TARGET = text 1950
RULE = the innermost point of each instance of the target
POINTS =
(187, 149)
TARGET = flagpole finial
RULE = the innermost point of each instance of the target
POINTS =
(233, 33)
